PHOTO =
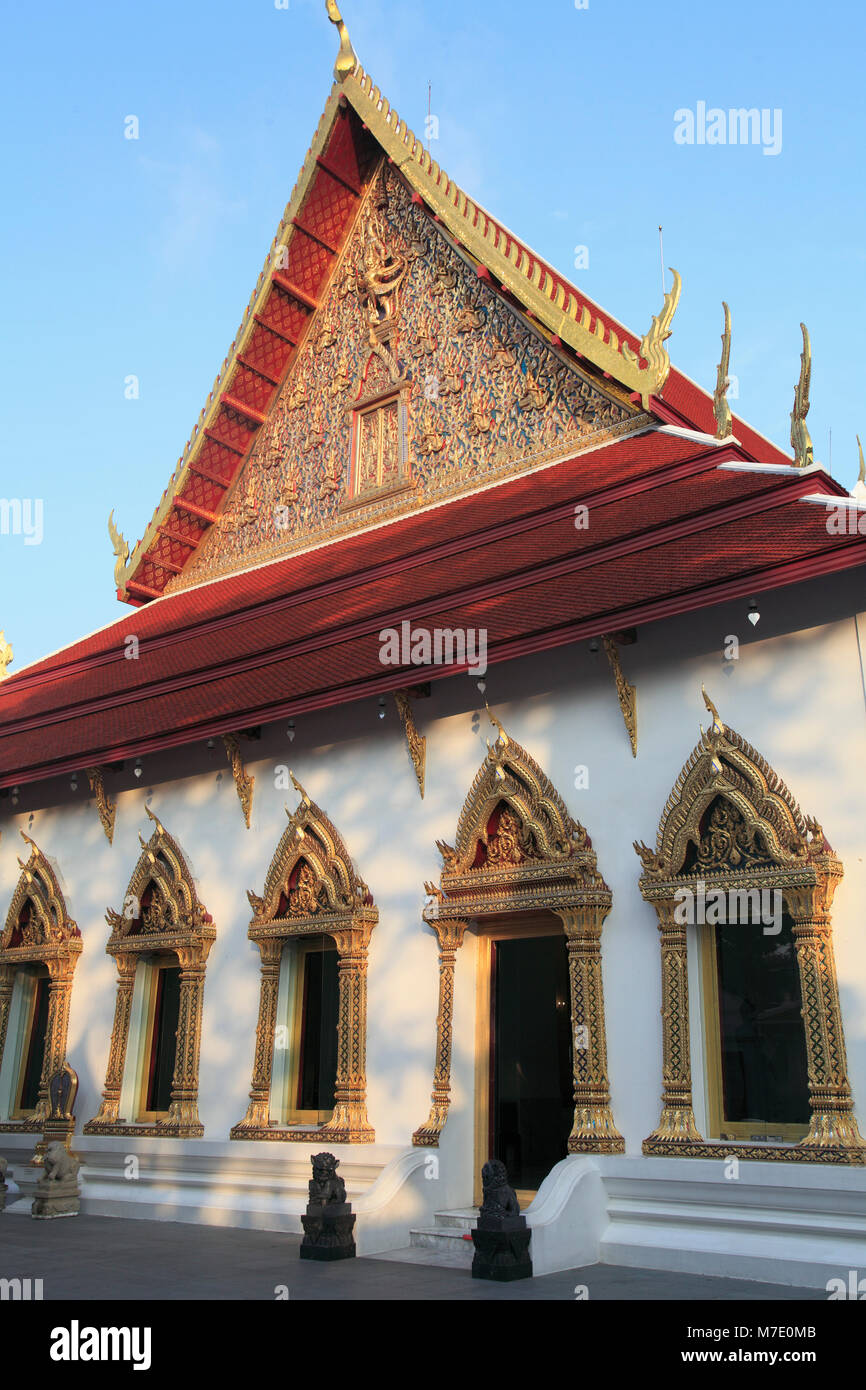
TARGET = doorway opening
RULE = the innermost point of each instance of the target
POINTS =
(526, 1090)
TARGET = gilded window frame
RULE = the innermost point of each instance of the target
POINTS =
(181, 927)
(56, 944)
(798, 861)
(337, 904)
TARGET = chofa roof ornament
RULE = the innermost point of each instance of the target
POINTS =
(346, 60)
(801, 440)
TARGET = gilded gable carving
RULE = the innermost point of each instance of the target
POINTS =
(484, 394)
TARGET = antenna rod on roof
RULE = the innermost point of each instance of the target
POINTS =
(662, 260)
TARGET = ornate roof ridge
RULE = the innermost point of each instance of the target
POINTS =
(569, 315)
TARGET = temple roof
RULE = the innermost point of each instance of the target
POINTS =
(680, 517)
(357, 129)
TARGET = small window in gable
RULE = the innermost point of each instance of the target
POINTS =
(379, 447)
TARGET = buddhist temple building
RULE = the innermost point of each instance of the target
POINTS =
(474, 769)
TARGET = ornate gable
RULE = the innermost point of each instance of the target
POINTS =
(417, 381)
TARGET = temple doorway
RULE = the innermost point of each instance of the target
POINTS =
(525, 1095)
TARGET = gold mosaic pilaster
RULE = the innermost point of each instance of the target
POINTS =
(349, 1123)
(450, 936)
(677, 1123)
(832, 1124)
(7, 982)
(109, 1110)
(258, 1111)
(183, 1115)
(56, 1026)
(593, 1130)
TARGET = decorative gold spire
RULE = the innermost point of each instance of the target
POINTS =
(861, 476)
(121, 549)
(503, 737)
(346, 60)
(721, 409)
(717, 718)
(652, 348)
(5, 654)
(300, 790)
(801, 440)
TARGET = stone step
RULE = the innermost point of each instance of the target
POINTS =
(463, 1217)
(443, 1240)
(424, 1255)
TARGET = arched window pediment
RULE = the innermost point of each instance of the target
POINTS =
(161, 906)
(730, 813)
(311, 876)
(37, 923)
(516, 844)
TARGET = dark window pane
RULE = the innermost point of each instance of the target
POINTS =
(164, 1046)
(762, 1037)
(317, 1067)
(532, 1078)
(35, 1048)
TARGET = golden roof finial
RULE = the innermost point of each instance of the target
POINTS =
(5, 654)
(652, 348)
(503, 737)
(861, 476)
(299, 789)
(801, 440)
(717, 718)
(121, 549)
(34, 848)
(346, 60)
(721, 409)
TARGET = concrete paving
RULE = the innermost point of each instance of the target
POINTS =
(110, 1258)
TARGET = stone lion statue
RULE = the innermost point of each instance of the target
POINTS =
(500, 1198)
(325, 1187)
(59, 1164)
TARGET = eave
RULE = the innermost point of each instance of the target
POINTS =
(673, 531)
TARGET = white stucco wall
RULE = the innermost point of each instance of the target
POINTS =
(796, 694)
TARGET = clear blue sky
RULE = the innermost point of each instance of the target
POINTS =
(137, 257)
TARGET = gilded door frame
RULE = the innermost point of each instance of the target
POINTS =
(542, 860)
